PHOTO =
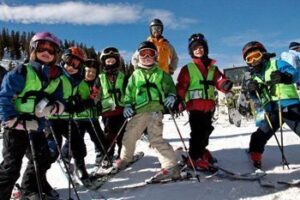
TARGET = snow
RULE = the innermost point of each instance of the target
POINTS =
(227, 143)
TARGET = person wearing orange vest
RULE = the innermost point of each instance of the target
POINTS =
(167, 58)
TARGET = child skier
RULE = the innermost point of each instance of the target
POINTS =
(112, 87)
(63, 125)
(272, 83)
(87, 120)
(148, 90)
(195, 87)
(22, 89)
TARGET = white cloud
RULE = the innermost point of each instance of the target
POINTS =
(242, 38)
(168, 18)
(80, 13)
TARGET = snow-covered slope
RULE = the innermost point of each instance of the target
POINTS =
(227, 143)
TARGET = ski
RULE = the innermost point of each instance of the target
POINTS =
(102, 178)
(292, 183)
(102, 172)
(185, 176)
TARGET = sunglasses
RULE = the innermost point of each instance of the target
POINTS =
(147, 52)
(75, 63)
(253, 56)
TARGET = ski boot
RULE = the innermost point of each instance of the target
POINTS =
(256, 159)
(208, 156)
(165, 175)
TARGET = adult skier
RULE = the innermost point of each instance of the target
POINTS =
(196, 84)
(23, 90)
(272, 84)
(167, 58)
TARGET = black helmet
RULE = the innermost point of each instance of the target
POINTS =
(110, 52)
(253, 45)
(197, 39)
(156, 22)
(148, 45)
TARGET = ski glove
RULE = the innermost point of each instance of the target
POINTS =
(227, 85)
(41, 110)
(95, 94)
(179, 105)
(169, 101)
(279, 77)
(25, 125)
(128, 111)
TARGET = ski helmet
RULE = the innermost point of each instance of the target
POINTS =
(156, 22)
(147, 45)
(197, 39)
(92, 63)
(110, 52)
(75, 52)
(294, 45)
(253, 45)
(45, 36)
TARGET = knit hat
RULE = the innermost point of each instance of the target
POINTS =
(294, 45)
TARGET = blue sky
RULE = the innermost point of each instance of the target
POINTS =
(227, 24)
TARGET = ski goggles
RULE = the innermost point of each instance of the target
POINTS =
(110, 51)
(74, 62)
(253, 56)
(147, 52)
(45, 47)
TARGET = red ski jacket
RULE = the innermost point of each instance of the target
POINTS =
(183, 81)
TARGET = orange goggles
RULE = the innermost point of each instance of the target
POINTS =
(253, 56)
(147, 52)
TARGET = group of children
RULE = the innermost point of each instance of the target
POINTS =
(40, 102)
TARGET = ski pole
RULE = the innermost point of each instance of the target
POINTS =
(284, 161)
(114, 140)
(98, 138)
(64, 162)
(37, 172)
(185, 148)
(280, 124)
(69, 151)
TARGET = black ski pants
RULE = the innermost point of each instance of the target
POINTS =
(61, 129)
(201, 128)
(90, 127)
(112, 126)
(290, 116)
(15, 146)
